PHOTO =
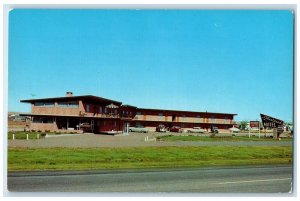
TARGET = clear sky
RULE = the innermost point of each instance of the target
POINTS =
(200, 60)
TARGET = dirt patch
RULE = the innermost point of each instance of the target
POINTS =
(131, 140)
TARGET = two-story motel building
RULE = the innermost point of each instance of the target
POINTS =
(103, 115)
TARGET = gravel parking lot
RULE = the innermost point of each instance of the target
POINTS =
(131, 140)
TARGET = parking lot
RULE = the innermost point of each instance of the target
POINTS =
(132, 140)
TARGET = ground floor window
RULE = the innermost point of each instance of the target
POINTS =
(47, 120)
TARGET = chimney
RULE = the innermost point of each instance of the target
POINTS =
(69, 94)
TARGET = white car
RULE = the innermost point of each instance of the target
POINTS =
(140, 129)
(195, 130)
(234, 130)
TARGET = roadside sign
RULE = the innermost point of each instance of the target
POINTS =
(254, 124)
(280, 129)
(270, 122)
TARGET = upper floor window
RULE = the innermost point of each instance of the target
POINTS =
(198, 116)
(138, 113)
(87, 108)
(44, 104)
(68, 104)
(160, 114)
(100, 109)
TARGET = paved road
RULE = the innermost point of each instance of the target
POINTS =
(263, 179)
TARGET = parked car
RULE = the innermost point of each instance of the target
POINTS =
(214, 129)
(176, 129)
(234, 130)
(86, 127)
(161, 128)
(195, 130)
(140, 129)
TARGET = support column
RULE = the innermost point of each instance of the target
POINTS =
(67, 123)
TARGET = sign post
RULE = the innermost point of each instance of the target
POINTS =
(259, 130)
(249, 129)
(254, 124)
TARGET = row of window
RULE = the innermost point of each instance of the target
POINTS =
(105, 110)
(46, 120)
(59, 104)
(100, 109)
(182, 116)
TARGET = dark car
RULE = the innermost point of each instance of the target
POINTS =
(161, 128)
(176, 129)
(214, 129)
(85, 127)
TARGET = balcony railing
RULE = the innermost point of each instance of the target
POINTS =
(103, 115)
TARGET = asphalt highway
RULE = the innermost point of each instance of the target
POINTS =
(250, 179)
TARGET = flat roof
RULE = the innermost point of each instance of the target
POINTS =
(94, 99)
(68, 98)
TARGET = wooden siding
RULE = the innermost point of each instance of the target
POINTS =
(181, 119)
(57, 110)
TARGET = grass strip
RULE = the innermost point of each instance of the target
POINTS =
(217, 138)
(23, 136)
(26, 159)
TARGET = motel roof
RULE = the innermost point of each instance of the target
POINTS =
(95, 99)
(88, 98)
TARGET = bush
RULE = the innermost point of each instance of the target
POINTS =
(212, 135)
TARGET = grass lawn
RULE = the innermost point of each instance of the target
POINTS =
(144, 157)
(22, 135)
(217, 138)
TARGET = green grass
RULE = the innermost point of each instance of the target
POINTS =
(21, 135)
(217, 138)
(144, 157)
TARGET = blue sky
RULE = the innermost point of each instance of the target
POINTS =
(201, 60)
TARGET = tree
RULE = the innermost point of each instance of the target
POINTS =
(243, 125)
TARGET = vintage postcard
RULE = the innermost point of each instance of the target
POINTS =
(150, 100)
